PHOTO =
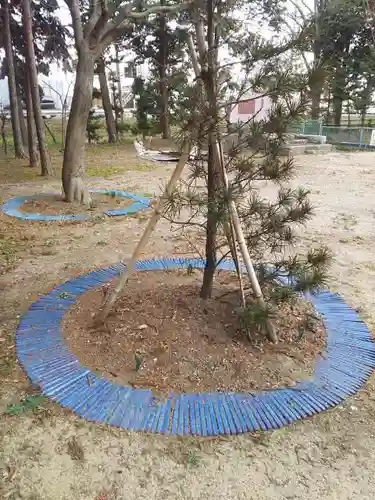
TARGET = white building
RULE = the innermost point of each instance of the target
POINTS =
(251, 106)
(127, 71)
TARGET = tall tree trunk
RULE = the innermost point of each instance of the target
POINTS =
(213, 174)
(17, 135)
(106, 100)
(337, 95)
(337, 110)
(162, 67)
(318, 77)
(45, 159)
(211, 228)
(4, 138)
(31, 131)
(21, 118)
(119, 88)
(316, 93)
(74, 153)
(349, 121)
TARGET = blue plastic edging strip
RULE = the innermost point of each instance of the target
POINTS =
(12, 207)
(41, 349)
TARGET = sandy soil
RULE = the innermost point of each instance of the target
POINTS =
(331, 456)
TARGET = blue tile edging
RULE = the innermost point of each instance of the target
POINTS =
(13, 207)
(41, 350)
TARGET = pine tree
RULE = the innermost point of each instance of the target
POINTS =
(222, 189)
(254, 154)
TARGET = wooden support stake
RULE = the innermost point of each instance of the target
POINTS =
(112, 297)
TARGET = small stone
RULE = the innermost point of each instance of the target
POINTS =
(142, 327)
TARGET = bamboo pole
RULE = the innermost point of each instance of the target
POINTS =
(112, 297)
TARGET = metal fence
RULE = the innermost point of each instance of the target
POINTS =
(350, 136)
(308, 127)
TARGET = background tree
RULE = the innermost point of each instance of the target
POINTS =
(162, 47)
(50, 43)
(33, 89)
(106, 100)
(93, 127)
(12, 85)
(105, 23)
(32, 135)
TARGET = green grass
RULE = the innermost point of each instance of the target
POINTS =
(8, 251)
(192, 459)
(102, 161)
(30, 403)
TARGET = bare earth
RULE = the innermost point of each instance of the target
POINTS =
(185, 344)
(53, 455)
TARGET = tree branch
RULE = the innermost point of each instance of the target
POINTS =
(99, 9)
(125, 14)
(193, 54)
(76, 21)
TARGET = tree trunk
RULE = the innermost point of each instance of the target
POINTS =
(33, 153)
(317, 85)
(45, 159)
(17, 135)
(74, 153)
(106, 100)
(163, 84)
(337, 110)
(316, 95)
(119, 89)
(213, 172)
(211, 228)
(4, 138)
(22, 118)
(363, 116)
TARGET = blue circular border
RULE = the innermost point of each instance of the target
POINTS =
(12, 207)
(41, 349)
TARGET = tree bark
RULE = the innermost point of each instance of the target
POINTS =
(316, 94)
(74, 153)
(208, 56)
(21, 118)
(3, 133)
(213, 173)
(317, 86)
(106, 100)
(337, 109)
(163, 84)
(211, 227)
(12, 85)
(119, 89)
(45, 159)
(31, 131)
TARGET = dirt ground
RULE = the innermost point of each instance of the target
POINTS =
(185, 344)
(53, 455)
(55, 205)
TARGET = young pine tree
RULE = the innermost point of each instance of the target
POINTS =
(252, 153)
